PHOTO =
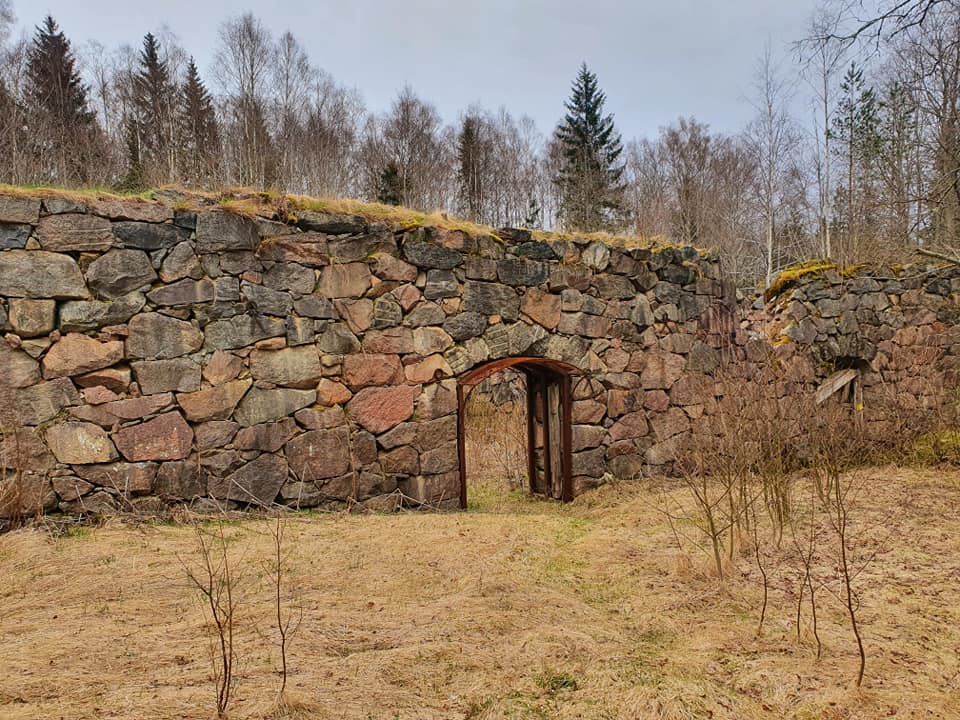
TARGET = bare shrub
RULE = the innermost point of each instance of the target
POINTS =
(287, 605)
(839, 444)
(217, 581)
(739, 461)
(769, 463)
(22, 493)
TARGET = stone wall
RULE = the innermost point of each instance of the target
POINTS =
(156, 354)
(899, 327)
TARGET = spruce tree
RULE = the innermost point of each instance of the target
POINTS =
(199, 136)
(134, 178)
(534, 216)
(590, 178)
(65, 133)
(856, 127)
(471, 165)
(8, 133)
(152, 108)
(390, 186)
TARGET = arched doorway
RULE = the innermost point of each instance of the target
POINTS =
(549, 390)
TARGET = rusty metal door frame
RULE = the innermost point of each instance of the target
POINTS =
(540, 374)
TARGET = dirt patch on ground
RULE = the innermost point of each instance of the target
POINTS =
(526, 610)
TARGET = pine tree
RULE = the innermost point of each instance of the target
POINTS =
(590, 179)
(65, 134)
(199, 136)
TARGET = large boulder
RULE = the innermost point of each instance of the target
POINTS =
(338, 340)
(465, 325)
(331, 224)
(36, 404)
(389, 267)
(520, 272)
(314, 306)
(14, 235)
(214, 434)
(491, 299)
(377, 409)
(267, 301)
(171, 375)
(427, 255)
(40, 274)
(166, 437)
(257, 482)
(216, 403)
(344, 280)
(181, 262)
(296, 367)
(309, 249)
(241, 331)
(149, 236)
(541, 307)
(154, 336)
(291, 277)
(19, 369)
(181, 480)
(437, 400)
(84, 315)
(266, 437)
(218, 231)
(118, 272)
(127, 478)
(113, 413)
(19, 210)
(358, 314)
(432, 367)
(24, 449)
(319, 454)
(660, 370)
(222, 367)
(585, 325)
(667, 424)
(74, 233)
(32, 318)
(630, 426)
(75, 354)
(361, 371)
(430, 340)
(26, 494)
(79, 443)
(184, 292)
(131, 209)
(260, 405)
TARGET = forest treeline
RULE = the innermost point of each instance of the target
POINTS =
(868, 167)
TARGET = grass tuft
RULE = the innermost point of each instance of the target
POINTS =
(251, 202)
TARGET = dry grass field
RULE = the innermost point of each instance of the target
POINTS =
(515, 609)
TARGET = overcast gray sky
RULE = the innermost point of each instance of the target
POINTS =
(656, 59)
